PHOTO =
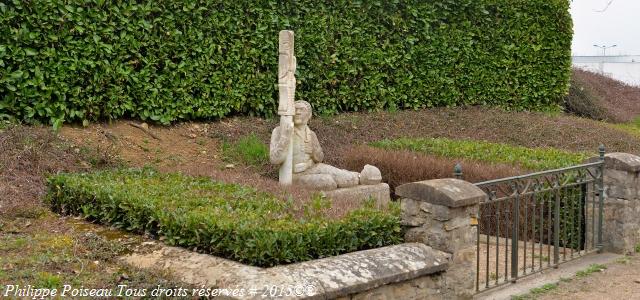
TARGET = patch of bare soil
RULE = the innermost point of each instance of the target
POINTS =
(620, 280)
(187, 148)
(180, 147)
(27, 154)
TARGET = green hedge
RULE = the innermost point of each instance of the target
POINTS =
(228, 220)
(183, 59)
(537, 159)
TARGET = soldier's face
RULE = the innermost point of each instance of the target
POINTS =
(302, 115)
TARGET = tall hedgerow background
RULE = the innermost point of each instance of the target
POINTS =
(166, 60)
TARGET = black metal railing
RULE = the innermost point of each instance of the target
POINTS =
(537, 221)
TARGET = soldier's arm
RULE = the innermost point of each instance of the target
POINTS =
(316, 153)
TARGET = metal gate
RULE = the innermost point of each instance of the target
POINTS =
(538, 221)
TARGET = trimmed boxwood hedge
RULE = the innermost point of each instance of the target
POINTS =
(167, 60)
(536, 159)
(227, 220)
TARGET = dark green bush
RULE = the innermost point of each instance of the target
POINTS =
(174, 60)
(228, 220)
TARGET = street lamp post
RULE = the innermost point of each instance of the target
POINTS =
(604, 48)
(604, 53)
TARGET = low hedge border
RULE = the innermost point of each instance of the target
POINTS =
(536, 159)
(227, 220)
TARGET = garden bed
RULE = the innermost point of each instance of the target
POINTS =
(227, 220)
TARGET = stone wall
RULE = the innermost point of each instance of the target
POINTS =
(443, 214)
(621, 205)
(405, 271)
(425, 287)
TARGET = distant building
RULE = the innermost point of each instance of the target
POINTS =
(606, 59)
(625, 68)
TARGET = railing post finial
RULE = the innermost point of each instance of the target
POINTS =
(457, 171)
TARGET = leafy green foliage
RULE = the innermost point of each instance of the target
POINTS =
(530, 158)
(535, 292)
(78, 61)
(228, 220)
(590, 270)
(624, 260)
(48, 280)
(248, 149)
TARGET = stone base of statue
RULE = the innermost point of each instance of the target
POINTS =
(343, 185)
(378, 192)
(326, 177)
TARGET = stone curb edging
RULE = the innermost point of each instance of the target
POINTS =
(325, 278)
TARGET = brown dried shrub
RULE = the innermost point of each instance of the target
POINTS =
(402, 166)
(599, 97)
(583, 101)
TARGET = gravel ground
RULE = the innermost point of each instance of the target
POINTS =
(620, 280)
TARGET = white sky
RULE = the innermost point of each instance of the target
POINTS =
(618, 25)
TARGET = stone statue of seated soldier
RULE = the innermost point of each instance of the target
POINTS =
(308, 169)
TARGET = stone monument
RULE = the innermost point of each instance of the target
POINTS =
(286, 109)
(295, 147)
